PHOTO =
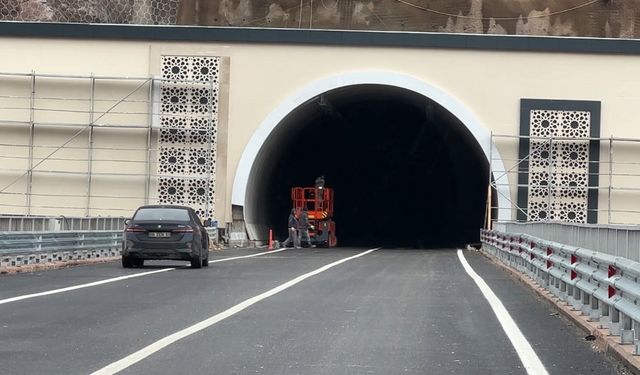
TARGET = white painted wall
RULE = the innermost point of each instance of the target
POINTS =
(483, 88)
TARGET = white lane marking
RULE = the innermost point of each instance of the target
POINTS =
(87, 285)
(527, 355)
(143, 353)
(107, 281)
(248, 256)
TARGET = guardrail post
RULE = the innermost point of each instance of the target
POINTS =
(594, 315)
(551, 285)
(563, 290)
(576, 301)
(556, 287)
(605, 318)
(614, 326)
(636, 342)
(542, 277)
(532, 270)
(626, 332)
(586, 304)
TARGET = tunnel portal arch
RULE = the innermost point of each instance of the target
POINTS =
(245, 172)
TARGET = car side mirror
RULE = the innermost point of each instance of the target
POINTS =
(127, 221)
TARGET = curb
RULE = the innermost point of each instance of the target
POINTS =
(36, 267)
(604, 342)
(26, 268)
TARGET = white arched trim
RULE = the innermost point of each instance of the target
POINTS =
(481, 133)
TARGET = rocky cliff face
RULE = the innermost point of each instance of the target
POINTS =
(588, 18)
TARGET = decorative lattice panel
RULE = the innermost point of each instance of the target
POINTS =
(560, 158)
(200, 161)
(539, 185)
(172, 160)
(571, 211)
(572, 185)
(171, 190)
(188, 127)
(539, 211)
(545, 123)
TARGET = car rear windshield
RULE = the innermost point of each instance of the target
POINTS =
(165, 214)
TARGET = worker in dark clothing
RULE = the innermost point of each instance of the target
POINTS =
(303, 227)
(292, 226)
(320, 182)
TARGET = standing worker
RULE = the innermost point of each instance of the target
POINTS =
(303, 227)
(320, 182)
(292, 226)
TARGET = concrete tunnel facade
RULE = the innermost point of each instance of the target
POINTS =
(408, 162)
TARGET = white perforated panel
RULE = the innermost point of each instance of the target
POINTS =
(187, 141)
(558, 166)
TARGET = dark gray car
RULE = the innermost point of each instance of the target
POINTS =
(165, 232)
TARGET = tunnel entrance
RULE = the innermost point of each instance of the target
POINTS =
(406, 172)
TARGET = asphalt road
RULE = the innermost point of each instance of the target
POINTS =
(386, 312)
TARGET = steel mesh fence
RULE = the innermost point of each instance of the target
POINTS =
(147, 12)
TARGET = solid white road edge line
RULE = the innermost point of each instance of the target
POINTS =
(527, 355)
(87, 285)
(143, 353)
(112, 280)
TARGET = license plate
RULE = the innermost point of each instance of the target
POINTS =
(160, 234)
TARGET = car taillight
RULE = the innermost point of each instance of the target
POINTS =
(183, 230)
(135, 228)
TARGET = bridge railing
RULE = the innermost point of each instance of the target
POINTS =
(23, 248)
(617, 240)
(602, 286)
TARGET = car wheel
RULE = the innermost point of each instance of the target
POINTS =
(205, 261)
(127, 262)
(196, 262)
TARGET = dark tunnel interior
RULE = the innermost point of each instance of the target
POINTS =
(406, 172)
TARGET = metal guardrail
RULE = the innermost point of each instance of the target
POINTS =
(21, 223)
(617, 240)
(20, 248)
(603, 287)
(12, 242)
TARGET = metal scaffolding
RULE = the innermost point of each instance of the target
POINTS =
(615, 184)
(58, 130)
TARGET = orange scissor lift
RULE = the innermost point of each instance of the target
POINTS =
(319, 203)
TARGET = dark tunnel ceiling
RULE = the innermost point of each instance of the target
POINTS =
(406, 172)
